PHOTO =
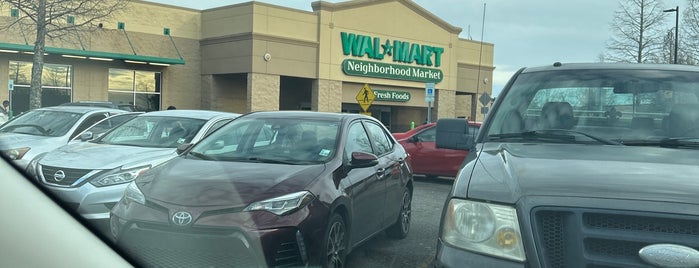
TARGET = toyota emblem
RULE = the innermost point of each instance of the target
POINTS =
(182, 218)
(59, 175)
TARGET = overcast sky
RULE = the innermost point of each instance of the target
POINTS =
(525, 33)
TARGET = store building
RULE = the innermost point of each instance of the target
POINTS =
(376, 57)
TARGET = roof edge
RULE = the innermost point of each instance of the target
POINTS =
(332, 7)
(86, 54)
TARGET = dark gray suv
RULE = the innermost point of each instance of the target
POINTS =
(579, 165)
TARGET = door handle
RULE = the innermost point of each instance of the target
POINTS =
(380, 173)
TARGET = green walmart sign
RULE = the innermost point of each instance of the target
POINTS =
(399, 51)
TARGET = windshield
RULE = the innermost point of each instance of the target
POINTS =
(154, 131)
(626, 106)
(296, 141)
(42, 123)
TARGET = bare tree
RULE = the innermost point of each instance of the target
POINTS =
(637, 31)
(689, 43)
(57, 19)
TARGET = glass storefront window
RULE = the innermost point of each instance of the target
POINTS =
(56, 89)
(138, 88)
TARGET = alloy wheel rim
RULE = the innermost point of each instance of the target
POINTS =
(336, 245)
(405, 213)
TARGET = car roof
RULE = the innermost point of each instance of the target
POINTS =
(308, 115)
(198, 114)
(611, 66)
(79, 109)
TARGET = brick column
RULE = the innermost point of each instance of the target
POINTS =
(446, 102)
(326, 96)
(262, 92)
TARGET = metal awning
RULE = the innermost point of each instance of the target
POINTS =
(93, 55)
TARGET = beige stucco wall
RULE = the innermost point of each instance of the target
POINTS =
(262, 92)
(326, 96)
(446, 101)
(237, 37)
(225, 92)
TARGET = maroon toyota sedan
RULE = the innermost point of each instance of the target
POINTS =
(425, 158)
(269, 189)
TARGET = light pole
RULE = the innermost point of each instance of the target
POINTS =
(677, 24)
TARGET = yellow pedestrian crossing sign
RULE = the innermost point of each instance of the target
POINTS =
(365, 97)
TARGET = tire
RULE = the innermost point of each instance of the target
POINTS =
(335, 243)
(401, 227)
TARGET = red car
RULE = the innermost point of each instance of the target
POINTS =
(425, 158)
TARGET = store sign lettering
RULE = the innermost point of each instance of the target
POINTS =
(400, 51)
(391, 71)
(405, 52)
(389, 95)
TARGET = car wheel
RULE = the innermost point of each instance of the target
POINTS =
(335, 243)
(401, 228)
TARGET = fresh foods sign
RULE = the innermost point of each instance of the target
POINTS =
(390, 95)
(399, 51)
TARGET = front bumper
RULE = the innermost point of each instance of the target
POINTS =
(92, 203)
(587, 232)
(216, 239)
(448, 256)
(155, 246)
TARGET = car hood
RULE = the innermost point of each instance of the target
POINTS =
(89, 155)
(507, 172)
(188, 182)
(15, 140)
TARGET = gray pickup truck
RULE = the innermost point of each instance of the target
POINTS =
(578, 165)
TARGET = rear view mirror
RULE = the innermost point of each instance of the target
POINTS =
(452, 133)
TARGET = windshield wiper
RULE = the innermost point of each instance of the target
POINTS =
(667, 142)
(272, 161)
(551, 134)
(200, 156)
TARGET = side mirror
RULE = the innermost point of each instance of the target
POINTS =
(86, 136)
(414, 139)
(363, 160)
(183, 147)
(452, 133)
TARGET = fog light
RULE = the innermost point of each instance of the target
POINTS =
(507, 237)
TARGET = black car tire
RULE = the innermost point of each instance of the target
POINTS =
(335, 250)
(401, 227)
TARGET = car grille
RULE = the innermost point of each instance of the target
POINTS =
(606, 239)
(71, 175)
(154, 245)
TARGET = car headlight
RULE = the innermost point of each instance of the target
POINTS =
(283, 204)
(484, 228)
(132, 193)
(17, 153)
(119, 177)
(32, 167)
